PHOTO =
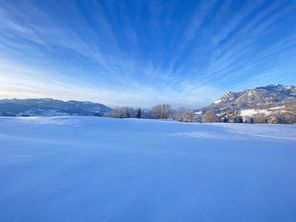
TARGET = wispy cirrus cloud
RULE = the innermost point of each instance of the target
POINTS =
(141, 53)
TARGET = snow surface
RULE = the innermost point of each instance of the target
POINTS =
(218, 101)
(100, 169)
(266, 112)
(252, 112)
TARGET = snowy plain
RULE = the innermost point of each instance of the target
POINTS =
(101, 169)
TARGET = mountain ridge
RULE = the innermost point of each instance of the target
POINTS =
(50, 107)
(271, 103)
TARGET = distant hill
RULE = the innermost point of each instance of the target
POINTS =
(268, 104)
(50, 107)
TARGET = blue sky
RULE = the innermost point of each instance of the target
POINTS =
(140, 53)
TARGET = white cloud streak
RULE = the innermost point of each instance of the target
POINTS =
(88, 62)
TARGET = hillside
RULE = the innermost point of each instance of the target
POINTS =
(50, 107)
(268, 104)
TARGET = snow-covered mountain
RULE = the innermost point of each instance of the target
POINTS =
(271, 103)
(49, 107)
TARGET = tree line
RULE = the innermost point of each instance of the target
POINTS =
(165, 111)
(234, 116)
(160, 111)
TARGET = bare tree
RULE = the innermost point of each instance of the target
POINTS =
(121, 112)
(185, 115)
(260, 118)
(289, 117)
(161, 111)
(249, 119)
(210, 116)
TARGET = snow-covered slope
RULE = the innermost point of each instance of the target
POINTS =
(271, 103)
(100, 169)
(264, 96)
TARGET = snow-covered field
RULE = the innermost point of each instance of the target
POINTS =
(100, 169)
